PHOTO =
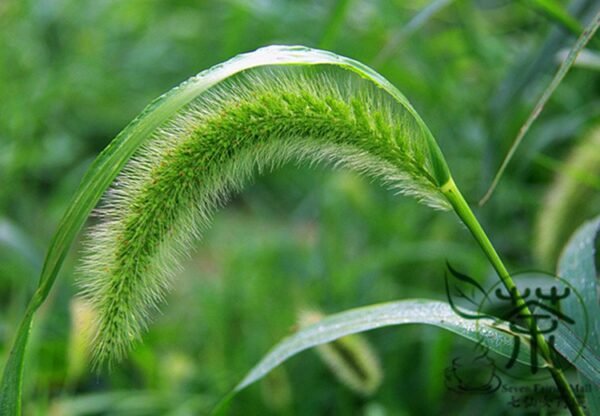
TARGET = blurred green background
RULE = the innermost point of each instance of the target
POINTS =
(73, 73)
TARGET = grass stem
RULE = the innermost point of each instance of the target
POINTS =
(465, 213)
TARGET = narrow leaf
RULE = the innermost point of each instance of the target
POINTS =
(555, 11)
(578, 351)
(583, 40)
(10, 389)
(587, 59)
(485, 331)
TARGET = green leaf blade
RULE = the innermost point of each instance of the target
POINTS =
(577, 266)
(10, 389)
(381, 315)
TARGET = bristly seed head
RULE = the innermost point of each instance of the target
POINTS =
(253, 121)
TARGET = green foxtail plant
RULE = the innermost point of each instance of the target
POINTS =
(191, 148)
(256, 121)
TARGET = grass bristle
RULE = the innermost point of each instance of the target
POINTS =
(253, 122)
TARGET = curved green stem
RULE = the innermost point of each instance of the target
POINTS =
(464, 212)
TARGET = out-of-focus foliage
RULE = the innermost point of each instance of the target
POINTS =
(74, 72)
(577, 184)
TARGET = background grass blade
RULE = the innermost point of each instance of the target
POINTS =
(412, 26)
(577, 265)
(335, 23)
(415, 311)
(587, 59)
(19, 243)
(555, 11)
(572, 198)
(583, 40)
